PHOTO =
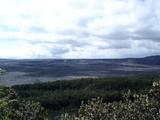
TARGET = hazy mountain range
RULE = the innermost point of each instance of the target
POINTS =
(42, 70)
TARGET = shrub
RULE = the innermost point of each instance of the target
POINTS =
(2, 71)
(11, 108)
(133, 107)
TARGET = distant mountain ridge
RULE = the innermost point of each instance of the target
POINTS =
(149, 60)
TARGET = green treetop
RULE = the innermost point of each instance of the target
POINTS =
(2, 71)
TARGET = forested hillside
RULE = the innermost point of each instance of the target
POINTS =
(115, 101)
(66, 96)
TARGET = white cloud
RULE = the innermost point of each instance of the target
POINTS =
(79, 28)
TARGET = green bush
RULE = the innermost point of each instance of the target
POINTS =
(2, 71)
(133, 107)
(11, 108)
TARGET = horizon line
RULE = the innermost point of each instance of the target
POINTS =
(76, 58)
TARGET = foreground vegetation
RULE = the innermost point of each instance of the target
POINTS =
(11, 108)
(137, 104)
(133, 107)
(14, 108)
(66, 96)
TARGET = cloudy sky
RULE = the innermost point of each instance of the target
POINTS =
(79, 28)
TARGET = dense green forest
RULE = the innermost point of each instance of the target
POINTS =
(66, 96)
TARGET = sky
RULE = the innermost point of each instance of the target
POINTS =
(32, 29)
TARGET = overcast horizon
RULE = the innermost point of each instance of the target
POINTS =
(41, 29)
